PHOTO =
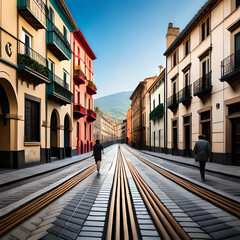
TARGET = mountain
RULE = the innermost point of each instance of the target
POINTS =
(115, 104)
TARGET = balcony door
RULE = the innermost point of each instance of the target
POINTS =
(205, 71)
(27, 40)
(237, 50)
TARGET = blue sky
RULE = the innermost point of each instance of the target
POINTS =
(128, 37)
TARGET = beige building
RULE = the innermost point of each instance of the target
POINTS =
(105, 128)
(202, 82)
(140, 113)
(156, 116)
(31, 98)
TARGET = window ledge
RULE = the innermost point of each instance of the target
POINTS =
(32, 143)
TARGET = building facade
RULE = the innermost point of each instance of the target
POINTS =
(140, 113)
(83, 90)
(202, 82)
(36, 82)
(129, 126)
(105, 128)
(156, 116)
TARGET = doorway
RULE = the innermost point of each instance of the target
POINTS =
(54, 135)
(174, 137)
(67, 149)
(187, 136)
(236, 141)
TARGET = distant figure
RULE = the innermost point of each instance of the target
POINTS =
(97, 153)
(202, 152)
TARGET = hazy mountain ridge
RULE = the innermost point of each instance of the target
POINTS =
(115, 104)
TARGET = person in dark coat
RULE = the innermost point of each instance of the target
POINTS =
(97, 153)
(202, 152)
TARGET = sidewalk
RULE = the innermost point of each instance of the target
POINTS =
(229, 170)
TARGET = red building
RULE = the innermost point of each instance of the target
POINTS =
(83, 90)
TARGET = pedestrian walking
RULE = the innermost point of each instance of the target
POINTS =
(97, 153)
(202, 152)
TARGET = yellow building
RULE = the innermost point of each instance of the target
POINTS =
(202, 82)
(29, 95)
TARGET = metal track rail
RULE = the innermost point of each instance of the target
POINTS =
(225, 203)
(166, 225)
(121, 222)
(24, 212)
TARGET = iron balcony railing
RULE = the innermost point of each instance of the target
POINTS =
(173, 101)
(32, 59)
(185, 94)
(37, 9)
(230, 63)
(156, 112)
(52, 28)
(59, 87)
(202, 84)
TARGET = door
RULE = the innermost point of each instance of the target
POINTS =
(174, 92)
(237, 50)
(236, 141)
(206, 131)
(187, 140)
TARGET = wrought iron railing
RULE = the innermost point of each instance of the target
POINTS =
(202, 84)
(52, 28)
(59, 87)
(32, 59)
(37, 7)
(58, 80)
(156, 112)
(173, 100)
(185, 93)
(230, 63)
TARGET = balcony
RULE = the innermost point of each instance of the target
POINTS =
(157, 112)
(31, 65)
(58, 90)
(91, 115)
(79, 76)
(79, 111)
(203, 85)
(185, 94)
(34, 12)
(230, 68)
(91, 88)
(173, 101)
(57, 43)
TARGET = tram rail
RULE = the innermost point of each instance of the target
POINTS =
(220, 201)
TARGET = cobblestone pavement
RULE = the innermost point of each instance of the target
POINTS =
(224, 183)
(199, 218)
(81, 212)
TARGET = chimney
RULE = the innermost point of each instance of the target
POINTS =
(172, 34)
(160, 68)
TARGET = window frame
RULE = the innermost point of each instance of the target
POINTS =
(206, 31)
(37, 102)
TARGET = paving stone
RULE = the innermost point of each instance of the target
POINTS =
(88, 238)
(188, 224)
(82, 211)
(209, 222)
(78, 221)
(79, 215)
(216, 228)
(37, 236)
(68, 234)
(90, 234)
(144, 221)
(150, 238)
(199, 236)
(64, 217)
(96, 218)
(147, 227)
(55, 230)
(225, 234)
(149, 233)
(99, 209)
(192, 230)
(50, 236)
(92, 229)
(20, 233)
(29, 226)
(73, 226)
(42, 229)
(92, 223)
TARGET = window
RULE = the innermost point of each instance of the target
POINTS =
(90, 132)
(159, 99)
(174, 58)
(65, 33)
(51, 15)
(27, 39)
(89, 64)
(186, 79)
(205, 29)
(85, 100)
(154, 104)
(78, 56)
(234, 108)
(77, 130)
(237, 3)
(85, 131)
(51, 66)
(187, 49)
(32, 121)
(65, 79)
(205, 115)
(205, 64)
